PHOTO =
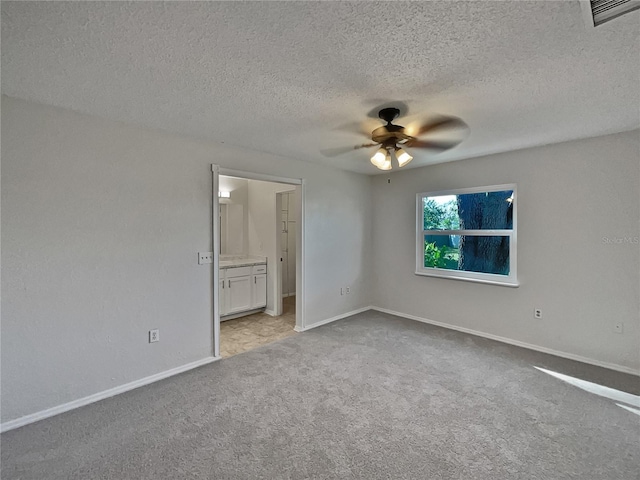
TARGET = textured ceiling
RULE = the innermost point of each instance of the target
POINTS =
(282, 77)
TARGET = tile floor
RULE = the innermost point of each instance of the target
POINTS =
(246, 333)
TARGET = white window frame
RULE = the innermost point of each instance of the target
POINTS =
(510, 280)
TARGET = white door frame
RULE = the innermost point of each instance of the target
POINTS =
(300, 259)
(215, 229)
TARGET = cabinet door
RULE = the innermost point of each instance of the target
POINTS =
(222, 293)
(259, 292)
(238, 291)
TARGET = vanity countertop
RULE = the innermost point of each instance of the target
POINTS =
(241, 261)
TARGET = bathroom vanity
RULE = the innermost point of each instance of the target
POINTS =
(243, 285)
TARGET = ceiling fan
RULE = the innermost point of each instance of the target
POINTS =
(391, 138)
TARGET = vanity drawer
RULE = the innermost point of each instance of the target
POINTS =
(259, 269)
(237, 272)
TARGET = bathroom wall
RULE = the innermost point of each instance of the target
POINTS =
(263, 228)
(234, 219)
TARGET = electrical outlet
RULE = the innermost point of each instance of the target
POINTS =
(348, 290)
(537, 313)
(618, 327)
(154, 335)
(205, 257)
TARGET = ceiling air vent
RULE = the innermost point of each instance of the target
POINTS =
(605, 10)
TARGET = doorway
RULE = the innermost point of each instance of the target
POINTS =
(286, 204)
(267, 202)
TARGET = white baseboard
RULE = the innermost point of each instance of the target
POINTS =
(517, 343)
(81, 402)
(50, 412)
(332, 319)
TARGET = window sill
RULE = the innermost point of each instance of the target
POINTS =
(451, 275)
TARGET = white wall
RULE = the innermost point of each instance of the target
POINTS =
(101, 225)
(262, 229)
(101, 222)
(234, 239)
(288, 219)
(571, 196)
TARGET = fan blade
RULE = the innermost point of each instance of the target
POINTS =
(358, 128)
(431, 145)
(440, 124)
(334, 152)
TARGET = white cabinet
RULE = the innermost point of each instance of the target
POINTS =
(238, 294)
(259, 287)
(242, 289)
(259, 293)
(222, 295)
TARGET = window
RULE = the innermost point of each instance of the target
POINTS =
(468, 234)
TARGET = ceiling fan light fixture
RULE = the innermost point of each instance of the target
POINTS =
(390, 138)
(403, 157)
(380, 158)
(386, 165)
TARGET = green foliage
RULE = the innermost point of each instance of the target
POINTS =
(440, 257)
(440, 216)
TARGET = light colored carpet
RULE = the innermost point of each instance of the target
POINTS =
(369, 397)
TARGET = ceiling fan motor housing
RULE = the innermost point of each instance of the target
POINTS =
(389, 114)
(389, 134)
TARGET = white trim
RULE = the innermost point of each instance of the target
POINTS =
(215, 248)
(454, 275)
(517, 343)
(587, 13)
(510, 280)
(300, 257)
(464, 191)
(611, 13)
(300, 247)
(81, 402)
(229, 172)
(332, 319)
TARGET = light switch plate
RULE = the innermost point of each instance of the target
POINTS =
(205, 257)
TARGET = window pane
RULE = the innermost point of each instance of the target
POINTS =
(469, 211)
(469, 253)
(440, 213)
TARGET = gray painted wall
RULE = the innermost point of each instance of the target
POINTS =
(101, 222)
(572, 197)
(101, 225)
